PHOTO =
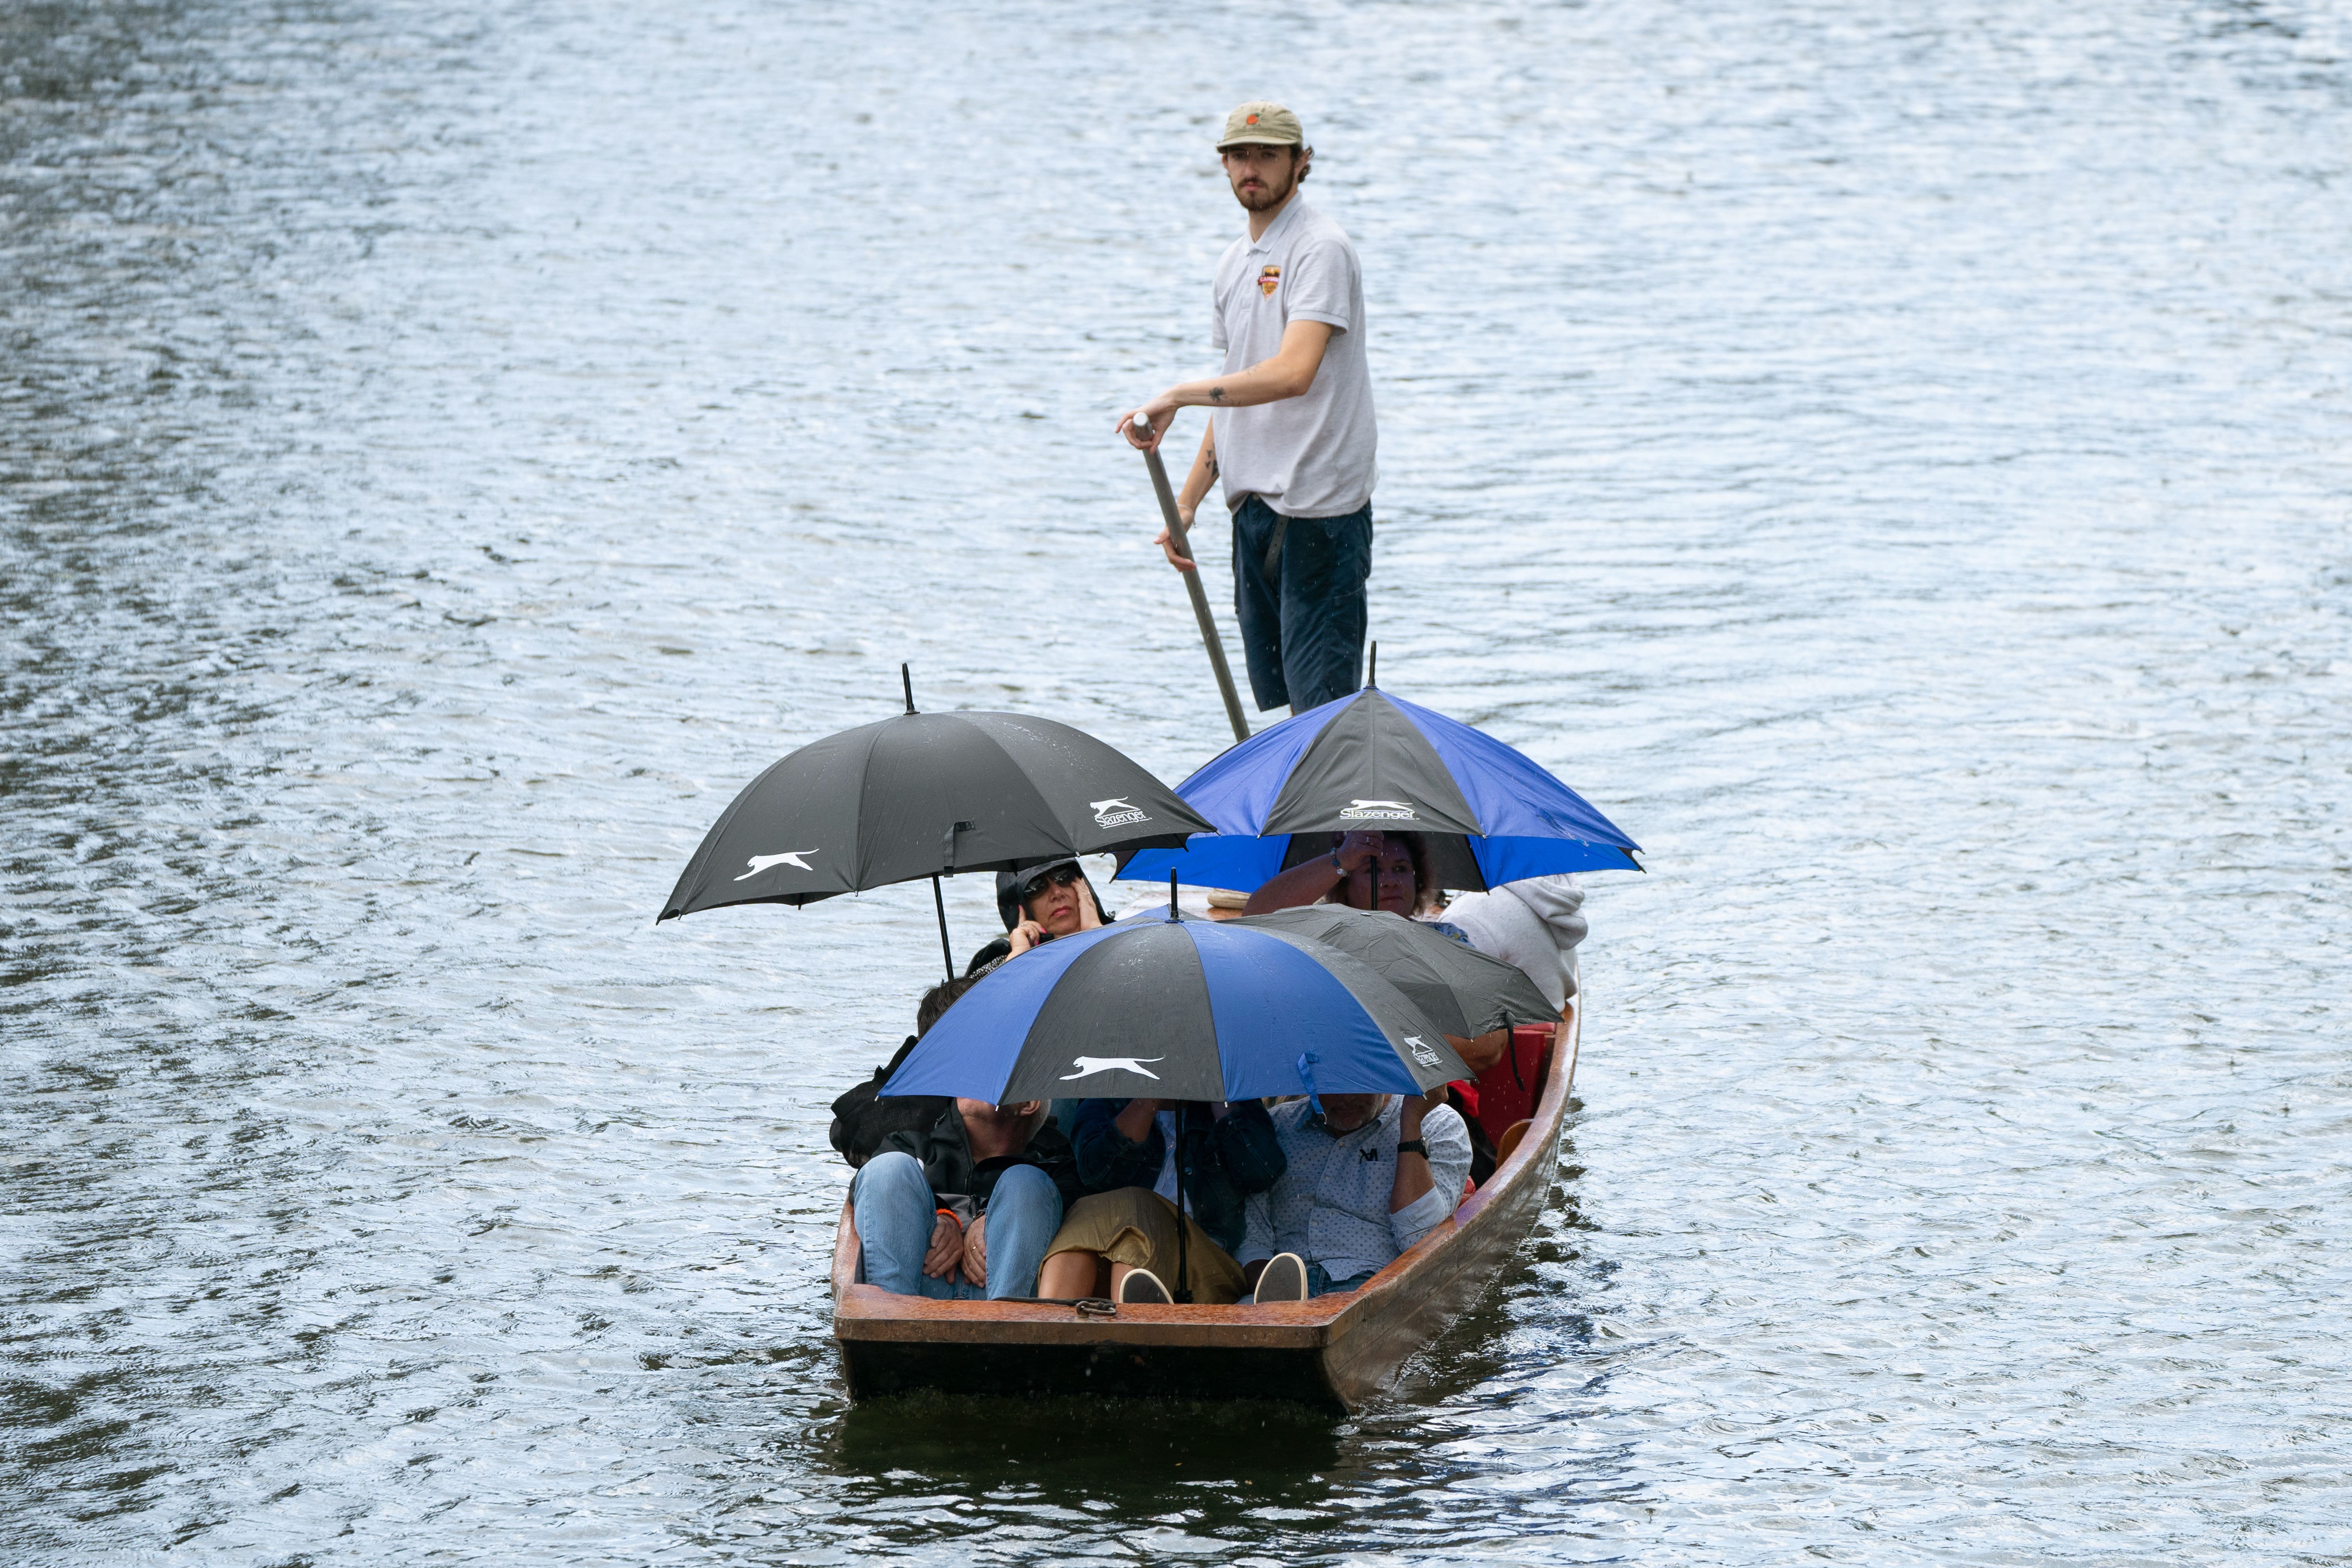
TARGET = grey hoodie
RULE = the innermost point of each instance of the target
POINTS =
(1534, 923)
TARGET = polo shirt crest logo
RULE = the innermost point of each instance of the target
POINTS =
(1267, 279)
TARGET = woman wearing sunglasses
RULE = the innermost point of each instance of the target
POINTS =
(1037, 905)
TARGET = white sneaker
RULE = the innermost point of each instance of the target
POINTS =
(1142, 1287)
(1285, 1280)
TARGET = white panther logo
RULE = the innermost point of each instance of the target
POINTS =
(1089, 1066)
(760, 863)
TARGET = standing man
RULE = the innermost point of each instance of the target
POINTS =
(1291, 432)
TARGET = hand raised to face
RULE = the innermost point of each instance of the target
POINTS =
(1378, 873)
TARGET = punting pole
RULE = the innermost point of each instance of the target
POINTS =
(1177, 537)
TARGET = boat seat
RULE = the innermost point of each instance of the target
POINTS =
(1510, 1139)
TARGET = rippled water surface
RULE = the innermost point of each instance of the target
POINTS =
(1896, 460)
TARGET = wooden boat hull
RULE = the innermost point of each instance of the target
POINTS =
(1338, 1350)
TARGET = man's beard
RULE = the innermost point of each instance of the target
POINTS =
(1258, 201)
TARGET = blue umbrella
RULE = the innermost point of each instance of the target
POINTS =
(1179, 1009)
(1372, 760)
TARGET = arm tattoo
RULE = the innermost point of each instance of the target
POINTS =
(1213, 465)
(1216, 395)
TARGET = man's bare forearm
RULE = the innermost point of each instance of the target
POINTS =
(1412, 1179)
(1289, 373)
(1269, 381)
(1204, 471)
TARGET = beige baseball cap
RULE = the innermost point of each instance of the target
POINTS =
(1266, 123)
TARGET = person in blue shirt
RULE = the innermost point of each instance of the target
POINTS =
(1365, 1176)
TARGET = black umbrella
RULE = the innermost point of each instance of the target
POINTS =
(925, 795)
(1464, 992)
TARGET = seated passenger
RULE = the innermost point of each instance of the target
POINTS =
(1372, 870)
(1037, 905)
(964, 1207)
(1366, 869)
(1535, 925)
(862, 1119)
(1364, 1181)
(1123, 1239)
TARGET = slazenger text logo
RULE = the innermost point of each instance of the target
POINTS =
(1089, 1066)
(1420, 1049)
(1377, 811)
(760, 863)
(1116, 812)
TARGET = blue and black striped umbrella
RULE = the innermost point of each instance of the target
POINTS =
(1179, 1009)
(1489, 813)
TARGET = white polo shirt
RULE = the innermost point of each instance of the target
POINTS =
(1313, 455)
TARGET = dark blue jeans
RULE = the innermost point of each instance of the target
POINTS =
(1303, 626)
(1319, 1283)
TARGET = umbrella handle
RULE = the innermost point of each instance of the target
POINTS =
(940, 902)
(1183, 1289)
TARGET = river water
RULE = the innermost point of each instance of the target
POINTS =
(1894, 461)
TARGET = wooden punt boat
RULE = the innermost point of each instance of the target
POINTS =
(1338, 1350)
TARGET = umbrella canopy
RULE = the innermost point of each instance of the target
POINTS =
(1490, 814)
(925, 794)
(1463, 991)
(1179, 1009)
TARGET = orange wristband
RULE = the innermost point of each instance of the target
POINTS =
(951, 1215)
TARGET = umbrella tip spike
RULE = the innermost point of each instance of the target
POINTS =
(1171, 894)
(1373, 676)
(907, 684)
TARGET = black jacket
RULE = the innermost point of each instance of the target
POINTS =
(962, 1184)
(861, 1118)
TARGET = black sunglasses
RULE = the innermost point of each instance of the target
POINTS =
(1060, 877)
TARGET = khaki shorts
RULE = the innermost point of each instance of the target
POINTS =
(1137, 1226)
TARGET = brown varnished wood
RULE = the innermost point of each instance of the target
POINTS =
(1337, 1349)
(1511, 1139)
(1409, 1303)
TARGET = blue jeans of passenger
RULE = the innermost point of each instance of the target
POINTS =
(891, 1203)
(1302, 627)
(1321, 1284)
